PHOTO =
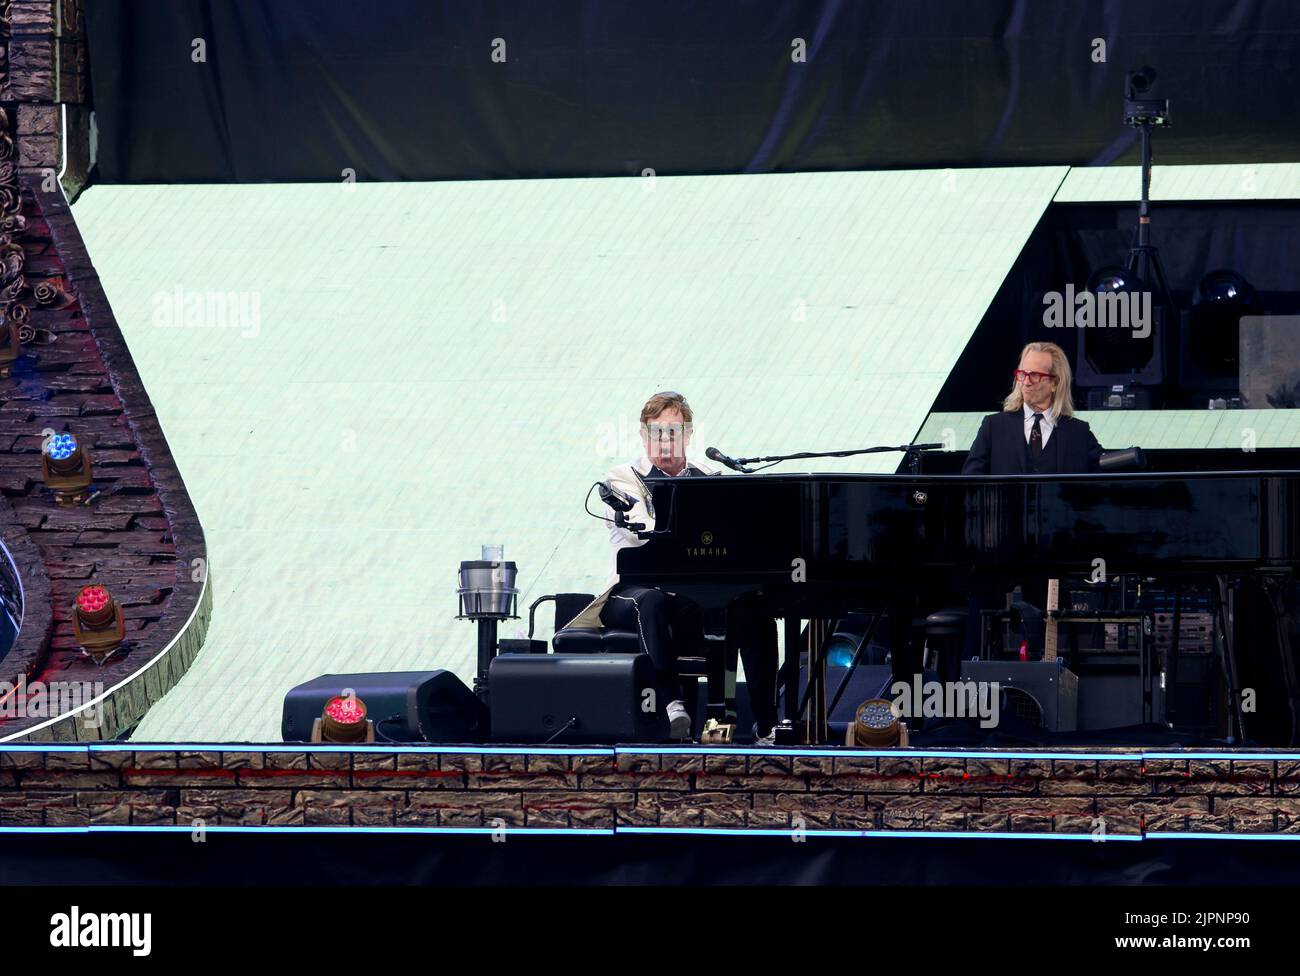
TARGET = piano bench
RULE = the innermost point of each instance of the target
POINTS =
(945, 633)
(720, 678)
(580, 640)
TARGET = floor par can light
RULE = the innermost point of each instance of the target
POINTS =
(97, 622)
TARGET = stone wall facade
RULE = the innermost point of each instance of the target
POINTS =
(43, 75)
(1120, 795)
(139, 535)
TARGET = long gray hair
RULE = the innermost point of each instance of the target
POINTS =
(1062, 401)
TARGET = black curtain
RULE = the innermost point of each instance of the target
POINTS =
(408, 89)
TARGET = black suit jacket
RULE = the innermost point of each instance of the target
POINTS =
(999, 447)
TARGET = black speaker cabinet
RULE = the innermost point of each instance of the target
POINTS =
(1042, 693)
(592, 698)
(406, 706)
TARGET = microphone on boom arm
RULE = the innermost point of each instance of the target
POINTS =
(713, 454)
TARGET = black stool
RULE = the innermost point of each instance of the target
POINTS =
(945, 631)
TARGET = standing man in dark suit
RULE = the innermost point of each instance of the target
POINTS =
(1036, 432)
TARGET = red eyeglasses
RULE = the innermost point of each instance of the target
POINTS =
(1029, 376)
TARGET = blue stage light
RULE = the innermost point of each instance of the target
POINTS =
(66, 467)
(61, 447)
(840, 653)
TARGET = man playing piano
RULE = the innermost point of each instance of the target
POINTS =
(670, 625)
(1036, 432)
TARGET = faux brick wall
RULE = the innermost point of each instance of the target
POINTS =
(141, 537)
(46, 70)
(614, 790)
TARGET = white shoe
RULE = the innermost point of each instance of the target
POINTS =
(679, 721)
(765, 740)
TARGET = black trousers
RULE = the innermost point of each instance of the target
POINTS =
(670, 626)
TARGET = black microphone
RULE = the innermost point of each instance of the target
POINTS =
(622, 503)
(619, 501)
(713, 454)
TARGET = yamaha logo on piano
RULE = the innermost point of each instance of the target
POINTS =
(706, 546)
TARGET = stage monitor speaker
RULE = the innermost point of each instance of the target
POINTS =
(592, 698)
(1043, 693)
(406, 706)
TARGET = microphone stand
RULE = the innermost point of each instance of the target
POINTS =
(912, 452)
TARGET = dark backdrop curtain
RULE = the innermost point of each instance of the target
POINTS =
(408, 89)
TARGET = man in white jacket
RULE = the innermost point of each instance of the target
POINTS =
(670, 625)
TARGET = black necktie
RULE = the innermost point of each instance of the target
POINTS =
(1036, 439)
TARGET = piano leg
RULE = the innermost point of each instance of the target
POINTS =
(790, 667)
(904, 652)
(1261, 675)
(1225, 593)
(1276, 593)
(812, 703)
(721, 684)
(819, 646)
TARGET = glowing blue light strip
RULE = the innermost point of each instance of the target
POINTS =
(1237, 756)
(783, 832)
(1007, 835)
(523, 749)
(296, 747)
(611, 751)
(786, 832)
(848, 753)
(272, 829)
(789, 832)
(1211, 835)
(44, 830)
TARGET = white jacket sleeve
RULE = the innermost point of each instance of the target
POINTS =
(625, 480)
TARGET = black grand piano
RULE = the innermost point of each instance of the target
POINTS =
(816, 546)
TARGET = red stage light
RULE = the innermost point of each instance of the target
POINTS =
(343, 720)
(92, 599)
(346, 710)
(97, 622)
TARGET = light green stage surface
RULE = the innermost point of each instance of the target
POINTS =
(436, 366)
